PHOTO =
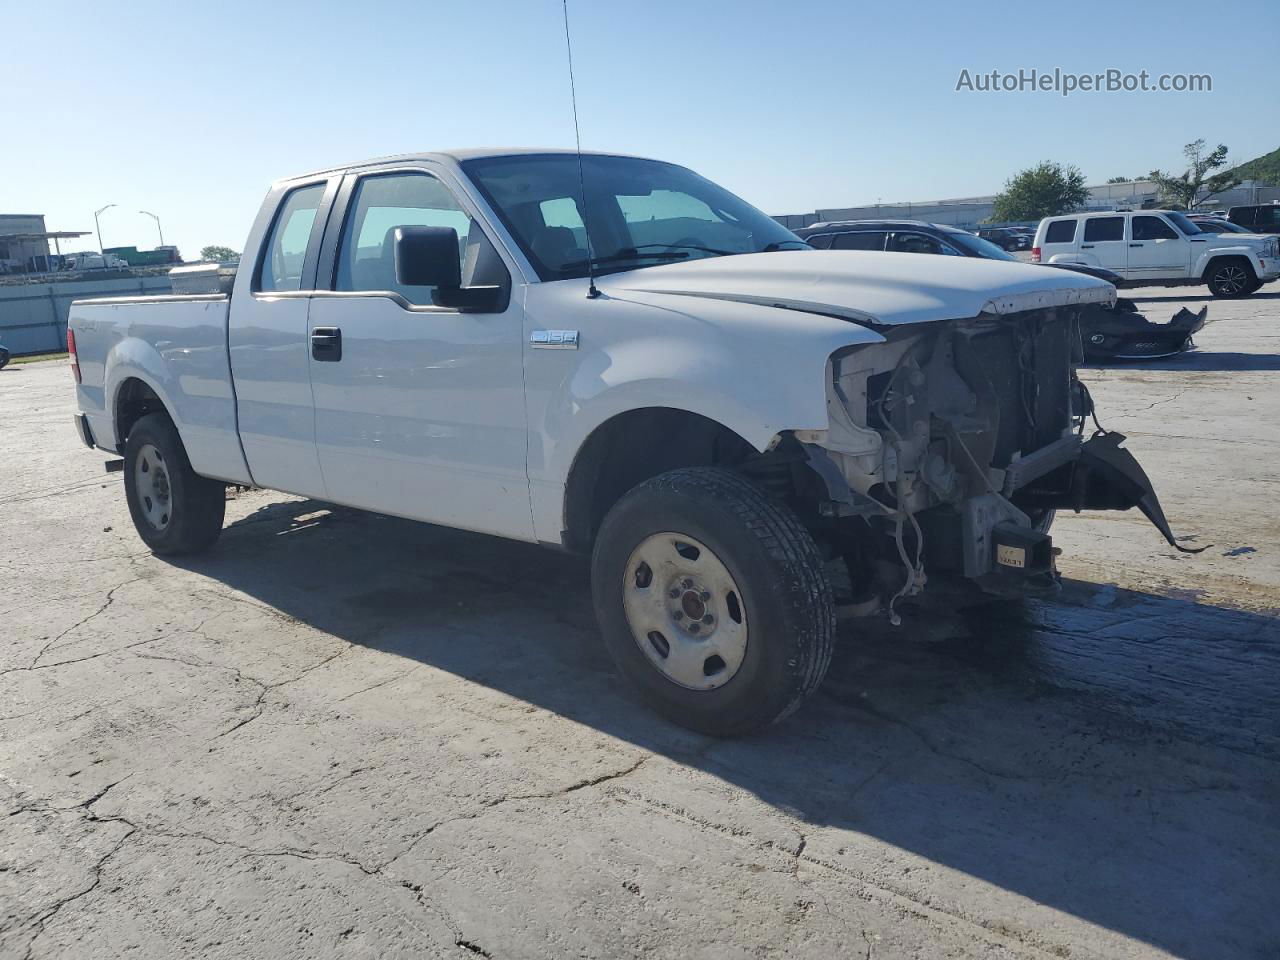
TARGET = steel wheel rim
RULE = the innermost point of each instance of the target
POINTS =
(151, 480)
(1231, 279)
(685, 611)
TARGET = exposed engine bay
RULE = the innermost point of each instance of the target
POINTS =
(951, 445)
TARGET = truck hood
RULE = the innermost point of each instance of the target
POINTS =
(877, 289)
(1216, 240)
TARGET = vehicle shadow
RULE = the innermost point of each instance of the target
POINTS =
(1204, 298)
(1111, 754)
(1195, 360)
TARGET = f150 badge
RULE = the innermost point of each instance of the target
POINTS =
(554, 339)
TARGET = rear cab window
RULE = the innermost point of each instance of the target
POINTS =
(284, 255)
(1061, 231)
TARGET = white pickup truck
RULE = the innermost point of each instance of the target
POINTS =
(624, 359)
(1161, 248)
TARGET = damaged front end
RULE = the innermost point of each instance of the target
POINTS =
(950, 446)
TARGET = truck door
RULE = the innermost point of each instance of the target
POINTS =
(419, 409)
(268, 339)
(1104, 244)
(1156, 249)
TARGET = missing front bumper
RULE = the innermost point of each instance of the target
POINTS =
(1105, 476)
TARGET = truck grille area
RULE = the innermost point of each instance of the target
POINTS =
(974, 394)
(1025, 363)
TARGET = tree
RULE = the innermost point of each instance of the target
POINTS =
(220, 254)
(1118, 180)
(1197, 183)
(1044, 190)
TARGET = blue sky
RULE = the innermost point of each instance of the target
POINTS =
(190, 112)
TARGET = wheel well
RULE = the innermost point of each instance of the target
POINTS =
(634, 447)
(1215, 262)
(134, 400)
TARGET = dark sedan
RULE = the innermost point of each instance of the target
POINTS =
(916, 236)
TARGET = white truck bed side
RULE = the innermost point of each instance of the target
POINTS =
(177, 346)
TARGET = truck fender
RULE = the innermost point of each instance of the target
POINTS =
(1249, 253)
(691, 376)
(199, 406)
(134, 358)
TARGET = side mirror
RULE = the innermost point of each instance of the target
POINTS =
(429, 257)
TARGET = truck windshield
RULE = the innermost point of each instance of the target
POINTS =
(638, 213)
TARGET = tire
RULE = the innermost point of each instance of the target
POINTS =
(1231, 277)
(772, 621)
(174, 510)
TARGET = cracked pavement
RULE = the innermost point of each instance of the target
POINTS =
(343, 735)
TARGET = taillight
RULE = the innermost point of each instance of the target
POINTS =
(1035, 254)
(71, 352)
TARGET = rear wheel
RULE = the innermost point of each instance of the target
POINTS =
(713, 600)
(174, 509)
(1231, 277)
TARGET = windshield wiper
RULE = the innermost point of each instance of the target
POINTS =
(777, 245)
(691, 246)
(621, 257)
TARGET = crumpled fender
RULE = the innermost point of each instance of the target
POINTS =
(1109, 477)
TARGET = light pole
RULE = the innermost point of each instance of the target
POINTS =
(157, 220)
(98, 228)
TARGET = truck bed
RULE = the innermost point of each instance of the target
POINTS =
(176, 346)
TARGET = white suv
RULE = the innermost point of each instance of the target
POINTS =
(1159, 247)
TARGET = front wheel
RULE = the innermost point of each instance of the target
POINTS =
(174, 509)
(1231, 277)
(713, 600)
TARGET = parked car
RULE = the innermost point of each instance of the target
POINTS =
(916, 236)
(1006, 238)
(1257, 218)
(663, 378)
(1160, 247)
(4, 356)
(1216, 225)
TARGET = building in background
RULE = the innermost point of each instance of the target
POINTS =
(18, 246)
(967, 213)
(24, 244)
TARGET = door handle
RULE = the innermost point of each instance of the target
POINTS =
(1086, 246)
(1135, 244)
(326, 344)
(1199, 239)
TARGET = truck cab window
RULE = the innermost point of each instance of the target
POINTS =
(380, 204)
(287, 249)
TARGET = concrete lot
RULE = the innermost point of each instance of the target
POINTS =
(340, 735)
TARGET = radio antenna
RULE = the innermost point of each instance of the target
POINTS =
(592, 292)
